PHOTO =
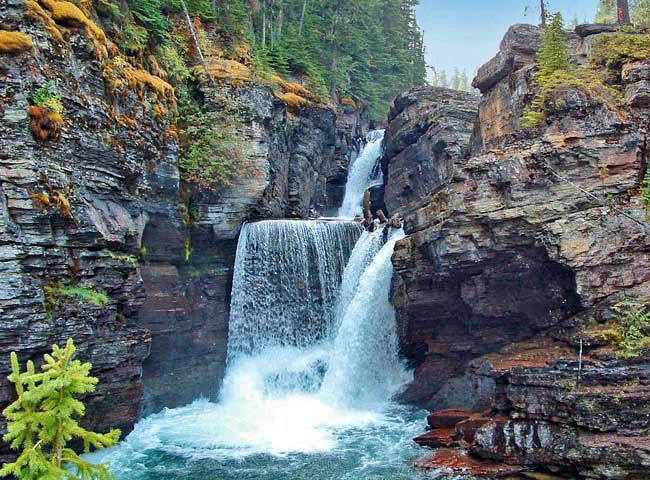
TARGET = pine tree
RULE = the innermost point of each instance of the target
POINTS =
(641, 13)
(553, 68)
(553, 56)
(44, 418)
(606, 11)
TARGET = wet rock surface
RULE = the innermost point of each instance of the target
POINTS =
(507, 259)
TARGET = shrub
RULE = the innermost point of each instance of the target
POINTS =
(45, 97)
(12, 42)
(612, 51)
(634, 327)
(44, 419)
(73, 293)
(553, 70)
(213, 154)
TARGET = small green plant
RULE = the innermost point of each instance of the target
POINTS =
(634, 327)
(44, 97)
(645, 193)
(123, 257)
(212, 154)
(44, 420)
(70, 293)
(188, 250)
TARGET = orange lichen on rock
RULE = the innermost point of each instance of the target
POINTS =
(67, 13)
(230, 70)
(137, 77)
(35, 12)
(126, 121)
(120, 75)
(291, 87)
(45, 124)
(13, 42)
(348, 102)
(293, 92)
(40, 199)
(293, 101)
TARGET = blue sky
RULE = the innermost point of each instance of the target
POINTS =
(466, 33)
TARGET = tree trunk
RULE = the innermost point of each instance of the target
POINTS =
(623, 9)
(543, 9)
(263, 23)
(280, 20)
(196, 40)
(302, 17)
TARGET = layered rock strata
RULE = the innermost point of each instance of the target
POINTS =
(519, 235)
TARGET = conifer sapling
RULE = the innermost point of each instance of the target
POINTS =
(44, 419)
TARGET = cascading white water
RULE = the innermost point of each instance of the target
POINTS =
(363, 367)
(295, 389)
(285, 282)
(364, 172)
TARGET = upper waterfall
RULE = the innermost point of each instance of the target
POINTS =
(365, 171)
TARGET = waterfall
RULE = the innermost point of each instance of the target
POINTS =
(312, 364)
(285, 282)
(364, 172)
(363, 367)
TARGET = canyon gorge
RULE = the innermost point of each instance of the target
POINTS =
(491, 311)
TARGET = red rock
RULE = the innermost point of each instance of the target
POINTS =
(440, 437)
(461, 463)
(447, 418)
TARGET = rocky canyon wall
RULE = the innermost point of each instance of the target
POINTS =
(92, 199)
(509, 264)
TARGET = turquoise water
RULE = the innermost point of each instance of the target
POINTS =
(380, 449)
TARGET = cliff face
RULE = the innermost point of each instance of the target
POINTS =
(93, 199)
(188, 266)
(504, 248)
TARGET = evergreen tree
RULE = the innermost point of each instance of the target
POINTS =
(553, 56)
(553, 69)
(43, 420)
(641, 13)
(606, 12)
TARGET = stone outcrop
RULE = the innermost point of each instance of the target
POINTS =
(505, 246)
(96, 200)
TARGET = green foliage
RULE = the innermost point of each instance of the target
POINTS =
(172, 61)
(71, 293)
(639, 12)
(612, 51)
(45, 97)
(44, 420)
(149, 15)
(553, 70)
(123, 257)
(213, 153)
(553, 56)
(188, 250)
(633, 327)
(133, 39)
(368, 50)
(606, 12)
